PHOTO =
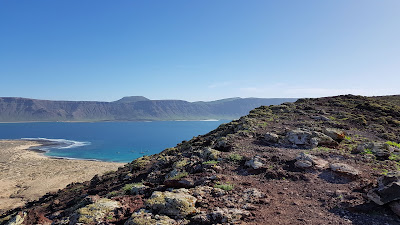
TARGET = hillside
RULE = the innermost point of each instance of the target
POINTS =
(316, 161)
(134, 108)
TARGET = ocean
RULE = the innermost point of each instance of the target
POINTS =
(108, 141)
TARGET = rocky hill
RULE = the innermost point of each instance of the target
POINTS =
(134, 108)
(316, 161)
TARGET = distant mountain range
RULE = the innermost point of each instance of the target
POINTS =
(133, 108)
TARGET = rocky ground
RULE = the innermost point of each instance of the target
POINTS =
(317, 161)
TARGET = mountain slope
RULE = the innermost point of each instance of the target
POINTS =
(316, 161)
(126, 109)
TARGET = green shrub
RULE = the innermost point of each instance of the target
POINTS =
(210, 162)
(112, 194)
(141, 162)
(179, 176)
(391, 143)
(235, 157)
(128, 187)
(226, 187)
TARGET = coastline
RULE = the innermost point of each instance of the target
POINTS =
(26, 173)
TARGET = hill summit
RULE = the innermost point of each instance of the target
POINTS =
(329, 160)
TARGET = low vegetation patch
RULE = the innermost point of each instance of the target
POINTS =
(394, 144)
(235, 157)
(210, 162)
(180, 175)
(225, 187)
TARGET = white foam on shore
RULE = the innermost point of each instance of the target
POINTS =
(62, 143)
(208, 120)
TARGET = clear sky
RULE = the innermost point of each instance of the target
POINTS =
(198, 50)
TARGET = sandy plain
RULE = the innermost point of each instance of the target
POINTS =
(26, 175)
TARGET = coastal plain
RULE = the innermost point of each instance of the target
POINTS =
(26, 175)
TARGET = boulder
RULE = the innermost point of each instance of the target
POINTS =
(177, 203)
(143, 217)
(95, 212)
(299, 137)
(320, 139)
(271, 138)
(344, 168)
(382, 150)
(307, 138)
(379, 149)
(306, 161)
(335, 134)
(255, 163)
(388, 189)
(210, 154)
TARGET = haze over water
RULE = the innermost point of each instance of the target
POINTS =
(109, 141)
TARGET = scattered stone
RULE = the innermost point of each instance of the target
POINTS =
(306, 161)
(379, 149)
(255, 163)
(395, 207)
(306, 138)
(344, 168)
(335, 134)
(388, 189)
(180, 183)
(137, 189)
(18, 219)
(363, 147)
(144, 217)
(299, 137)
(303, 164)
(95, 212)
(252, 195)
(222, 144)
(322, 118)
(208, 153)
(177, 203)
(271, 138)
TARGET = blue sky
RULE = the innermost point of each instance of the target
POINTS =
(198, 50)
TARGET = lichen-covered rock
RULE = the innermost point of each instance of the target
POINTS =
(137, 189)
(203, 191)
(388, 189)
(95, 212)
(307, 138)
(379, 149)
(306, 161)
(177, 203)
(344, 168)
(299, 137)
(143, 217)
(227, 215)
(252, 195)
(210, 154)
(255, 163)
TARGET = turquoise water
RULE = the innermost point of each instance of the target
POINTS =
(109, 141)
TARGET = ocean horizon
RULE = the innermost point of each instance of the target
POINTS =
(107, 141)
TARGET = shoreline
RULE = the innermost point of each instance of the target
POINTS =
(111, 121)
(27, 174)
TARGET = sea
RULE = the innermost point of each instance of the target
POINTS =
(107, 141)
